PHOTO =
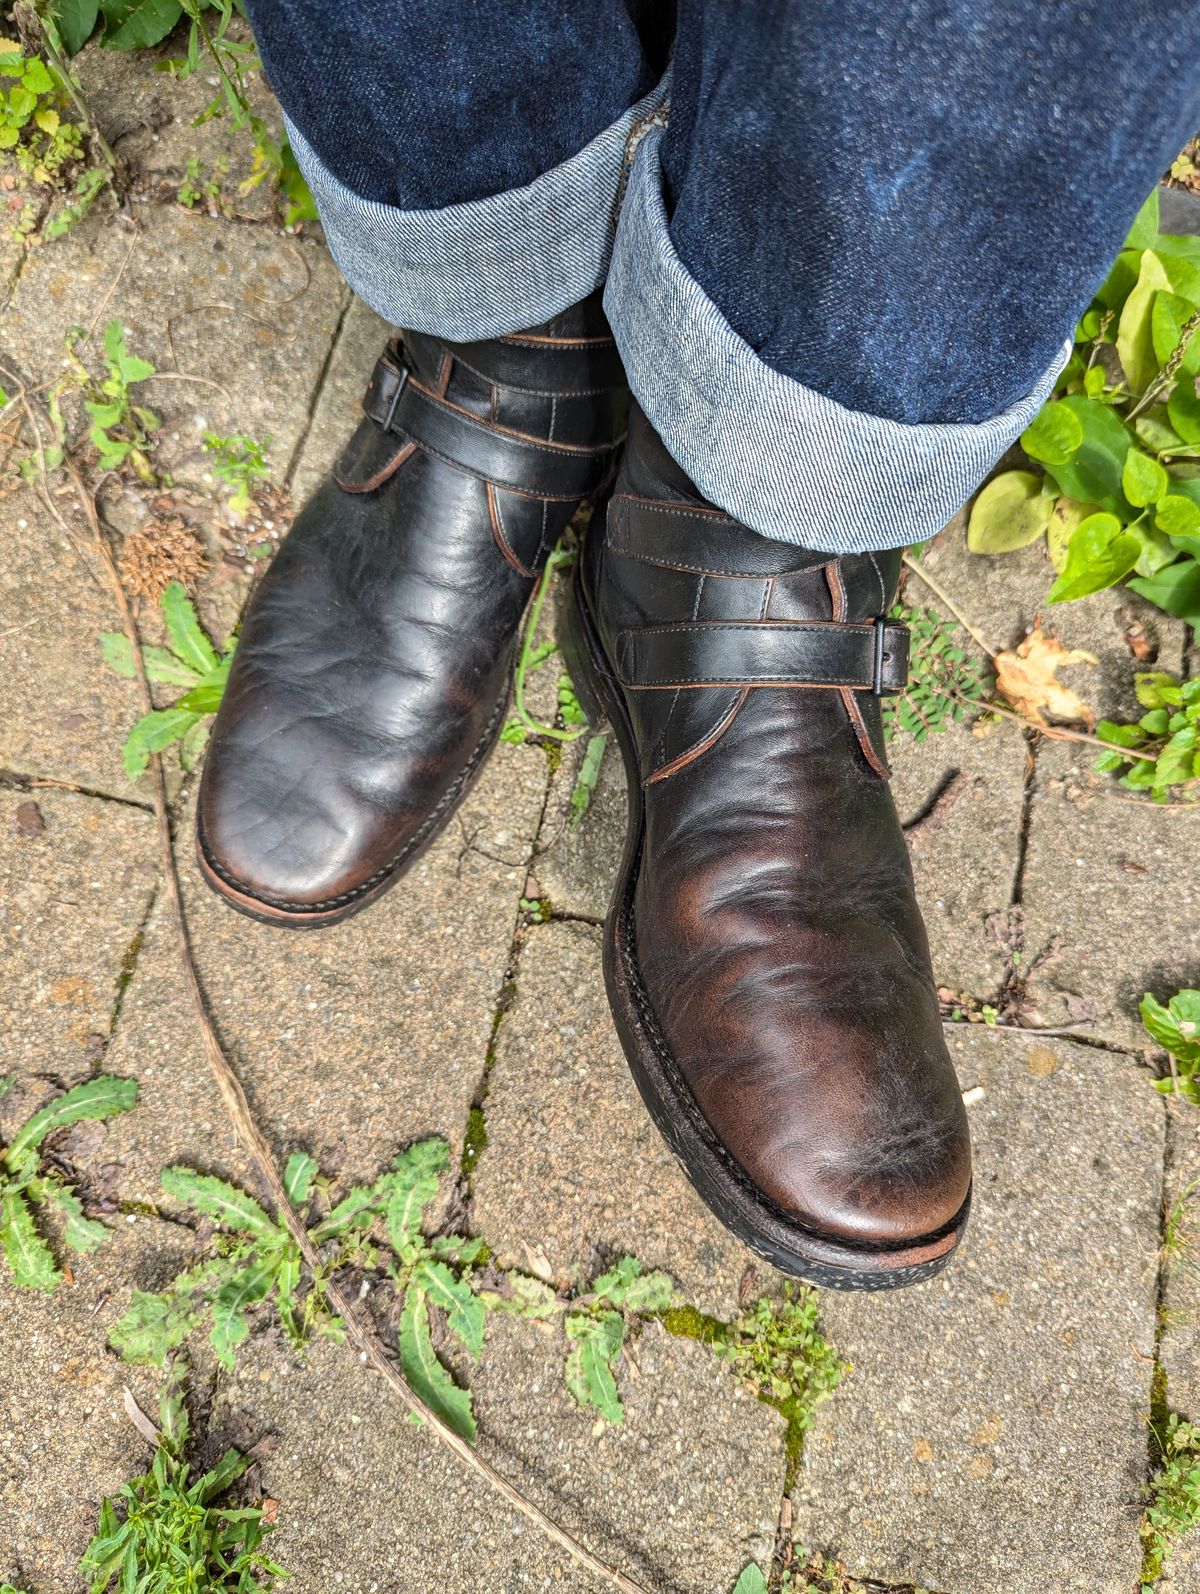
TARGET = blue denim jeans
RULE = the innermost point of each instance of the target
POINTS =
(844, 243)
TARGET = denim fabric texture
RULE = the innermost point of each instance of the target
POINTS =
(779, 456)
(488, 266)
(841, 282)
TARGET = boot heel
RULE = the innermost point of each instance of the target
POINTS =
(577, 655)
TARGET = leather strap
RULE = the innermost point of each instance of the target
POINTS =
(545, 367)
(868, 657)
(560, 472)
(705, 542)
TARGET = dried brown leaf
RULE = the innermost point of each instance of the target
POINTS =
(1028, 678)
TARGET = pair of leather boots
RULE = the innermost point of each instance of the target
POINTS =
(764, 956)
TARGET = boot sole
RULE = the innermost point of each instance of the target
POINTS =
(297, 916)
(816, 1258)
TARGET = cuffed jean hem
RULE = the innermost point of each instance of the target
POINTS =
(489, 267)
(786, 461)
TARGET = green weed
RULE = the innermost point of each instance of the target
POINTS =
(1176, 1028)
(121, 429)
(944, 683)
(139, 24)
(238, 461)
(253, 1264)
(572, 721)
(165, 1532)
(1169, 731)
(25, 1184)
(190, 661)
(1116, 492)
(1173, 1508)
(777, 1350)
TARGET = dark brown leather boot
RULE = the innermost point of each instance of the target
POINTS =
(372, 674)
(765, 958)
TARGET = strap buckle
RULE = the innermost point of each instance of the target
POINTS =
(402, 375)
(891, 649)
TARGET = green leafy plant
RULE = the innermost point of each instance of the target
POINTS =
(1176, 1028)
(46, 146)
(597, 1328)
(1116, 489)
(121, 429)
(531, 656)
(944, 682)
(752, 1581)
(165, 1531)
(196, 187)
(1167, 735)
(253, 1262)
(1173, 1508)
(238, 461)
(139, 24)
(26, 1184)
(32, 124)
(190, 661)
(777, 1350)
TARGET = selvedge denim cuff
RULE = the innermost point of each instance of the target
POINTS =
(778, 456)
(491, 266)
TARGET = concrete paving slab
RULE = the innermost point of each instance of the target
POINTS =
(338, 409)
(351, 1041)
(574, 1167)
(960, 798)
(1110, 896)
(76, 880)
(65, 1441)
(63, 713)
(1179, 1342)
(681, 1495)
(150, 119)
(992, 1436)
(239, 320)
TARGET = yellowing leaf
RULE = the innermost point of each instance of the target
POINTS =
(1135, 339)
(1011, 511)
(1028, 678)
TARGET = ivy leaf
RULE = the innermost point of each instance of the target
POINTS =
(1054, 434)
(1177, 761)
(152, 733)
(1010, 512)
(298, 1177)
(1093, 473)
(464, 1311)
(1065, 520)
(28, 1254)
(1098, 555)
(598, 1338)
(185, 632)
(1135, 344)
(102, 1097)
(426, 1376)
(245, 1289)
(136, 24)
(76, 21)
(1143, 480)
(224, 1203)
(1175, 589)
(1183, 411)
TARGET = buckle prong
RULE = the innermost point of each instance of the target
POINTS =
(402, 383)
(880, 655)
